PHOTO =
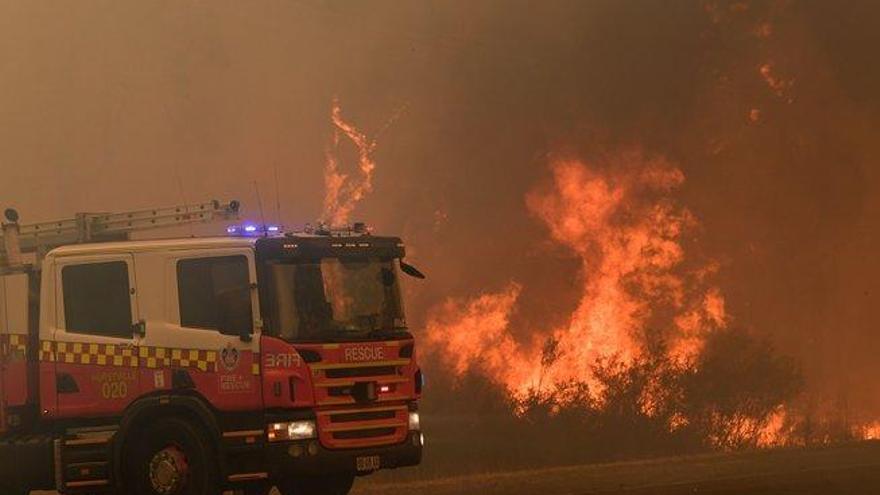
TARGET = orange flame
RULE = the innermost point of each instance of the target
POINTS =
(622, 223)
(773, 433)
(343, 193)
(871, 431)
(478, 331)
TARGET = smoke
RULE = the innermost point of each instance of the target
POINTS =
(768, 109)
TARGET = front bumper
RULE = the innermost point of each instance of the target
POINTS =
(296, 458)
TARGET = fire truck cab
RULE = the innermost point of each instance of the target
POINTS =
(199, 365)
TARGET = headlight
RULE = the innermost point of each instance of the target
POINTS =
(295, 430)
(414, 423)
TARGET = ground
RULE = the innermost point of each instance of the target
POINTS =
(850, 469)
(842, 470)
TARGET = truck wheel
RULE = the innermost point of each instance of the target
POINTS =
(171, 458)
(13, 490)
(332, 484)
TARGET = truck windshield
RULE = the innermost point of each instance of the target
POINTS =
(335, 299)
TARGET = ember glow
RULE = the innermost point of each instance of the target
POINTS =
(773, 432)
(637, 285)
(871, 431)
(344, 192)
(779, 85)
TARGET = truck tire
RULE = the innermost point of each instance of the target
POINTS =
(7, 489)
(333, 484)
(172, 457)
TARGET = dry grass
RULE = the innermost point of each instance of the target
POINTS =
(650, 476)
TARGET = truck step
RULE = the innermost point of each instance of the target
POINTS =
(243, 477)
(82, 460)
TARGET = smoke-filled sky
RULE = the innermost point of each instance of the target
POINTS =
(770, 109)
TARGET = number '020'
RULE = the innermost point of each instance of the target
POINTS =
(114, 390)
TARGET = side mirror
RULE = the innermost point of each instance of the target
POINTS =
(411, 270)
(139, 328)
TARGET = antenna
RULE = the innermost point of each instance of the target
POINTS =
(175, 164)
(260, 203)
(277, 197)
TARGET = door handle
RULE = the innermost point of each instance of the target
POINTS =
(139, 328)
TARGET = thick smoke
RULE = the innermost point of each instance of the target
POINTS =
(770, 109)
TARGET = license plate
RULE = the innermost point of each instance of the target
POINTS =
(368, 463)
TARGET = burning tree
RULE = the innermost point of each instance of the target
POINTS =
(618, 217)
(646, 364)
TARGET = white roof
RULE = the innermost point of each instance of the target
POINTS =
(154, 245)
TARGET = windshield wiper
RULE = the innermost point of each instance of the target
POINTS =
(386, 332)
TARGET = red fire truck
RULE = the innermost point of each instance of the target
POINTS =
(202, 365)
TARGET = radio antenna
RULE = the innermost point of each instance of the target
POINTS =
(260, 204)
(277, 197)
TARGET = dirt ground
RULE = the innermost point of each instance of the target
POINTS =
(851, 469)
(843, 470)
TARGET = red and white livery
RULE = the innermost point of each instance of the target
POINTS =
(199, 365)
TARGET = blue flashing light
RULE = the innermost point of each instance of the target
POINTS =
(252, 229)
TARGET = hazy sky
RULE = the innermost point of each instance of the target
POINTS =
(108, 105)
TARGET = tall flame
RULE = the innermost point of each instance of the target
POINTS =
(344, 192)
(621, 221)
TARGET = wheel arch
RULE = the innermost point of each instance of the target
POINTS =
(191, 407)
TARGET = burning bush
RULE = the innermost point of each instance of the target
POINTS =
(619, 218)
(727, 397)
(644, 365)
(735, 388)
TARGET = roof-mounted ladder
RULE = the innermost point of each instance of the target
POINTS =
(39, 238)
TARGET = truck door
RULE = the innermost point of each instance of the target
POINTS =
(206, 340)
(95, 344)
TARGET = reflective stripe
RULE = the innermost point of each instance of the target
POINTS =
(371, 426)
(83, 484)
(13, 345)
(364, 364)
(371, 409)
(127, 355)
(248, 477)
(347, 383)
(243, 433)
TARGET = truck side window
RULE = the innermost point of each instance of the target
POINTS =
(97, 299)
(215, 293)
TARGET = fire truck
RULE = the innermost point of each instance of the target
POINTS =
(205, 365)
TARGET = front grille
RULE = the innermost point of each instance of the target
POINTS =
(366, 427)
(338, 391)
(356, 434)
(365, 371)
(362, 416)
